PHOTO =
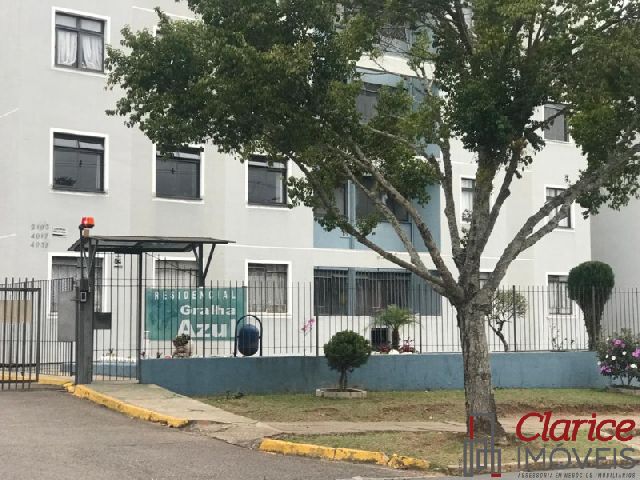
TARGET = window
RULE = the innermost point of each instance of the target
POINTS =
(79, 42)
(559, 302)
(466, 200)
(366, 207)
(484, 278)
(178, 174)
(267, 182)
(554, 192)
(367, 101)
(557, 129)
(267, 288)
(176, 273)
(377, 290)
(331, 291)
(379, 337)
(78, 163)
(65, 271)
(340, 199)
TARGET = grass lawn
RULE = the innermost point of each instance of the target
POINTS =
(442, 449)
(421, 406)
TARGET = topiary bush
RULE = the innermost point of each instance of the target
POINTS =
(346, 351)
(590, 285)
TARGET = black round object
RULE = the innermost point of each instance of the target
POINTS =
(248, 340)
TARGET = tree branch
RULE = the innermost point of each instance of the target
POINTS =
(343, 223)
(424, 231)
(450, 205)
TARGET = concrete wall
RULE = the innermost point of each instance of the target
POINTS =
(203, 376)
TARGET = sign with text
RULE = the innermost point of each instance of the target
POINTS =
(208, 313)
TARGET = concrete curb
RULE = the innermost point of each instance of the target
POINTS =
(347, 454)
(53, 380)
(83, 391)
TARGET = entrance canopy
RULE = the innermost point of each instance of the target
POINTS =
(138, 245)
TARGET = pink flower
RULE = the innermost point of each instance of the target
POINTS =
(618, 343)
(636, 353)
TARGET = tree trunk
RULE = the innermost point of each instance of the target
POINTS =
(343, 380)
(395, 338)
(592, 328)
(478, 390)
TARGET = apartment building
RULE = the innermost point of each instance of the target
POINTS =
(64, 159)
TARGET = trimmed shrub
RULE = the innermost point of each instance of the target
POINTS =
(590, 285)
(345, 352)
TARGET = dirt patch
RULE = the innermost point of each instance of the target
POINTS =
(323, 411)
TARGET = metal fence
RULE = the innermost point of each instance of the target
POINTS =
(28, 333)
(146, 314)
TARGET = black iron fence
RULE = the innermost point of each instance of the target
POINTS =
(141, 318)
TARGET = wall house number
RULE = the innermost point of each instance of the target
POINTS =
(39, 235)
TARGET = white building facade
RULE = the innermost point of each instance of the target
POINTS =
(65, 159)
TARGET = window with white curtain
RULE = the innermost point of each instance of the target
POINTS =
(268, 288)
(466, 198)
(79, 42)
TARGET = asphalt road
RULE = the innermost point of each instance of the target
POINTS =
(48, 434)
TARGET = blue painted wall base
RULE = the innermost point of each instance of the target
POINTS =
(207, 376)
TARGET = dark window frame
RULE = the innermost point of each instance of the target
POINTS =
(383, 288)
(558, 287)
(264, 163)
(78, 138)
(332, 283)
(172, 156)
(78, 30)
(401, 214)
(341, 199)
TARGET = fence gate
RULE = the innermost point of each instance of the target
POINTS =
(20, 323)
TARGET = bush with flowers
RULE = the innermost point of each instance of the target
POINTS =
(619, 357)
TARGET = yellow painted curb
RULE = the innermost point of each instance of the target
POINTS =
(353, 455)
(300, 449)
(402, 461)
(53, 380)
(83, 391)
(349, 454)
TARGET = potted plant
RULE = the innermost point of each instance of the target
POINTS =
(182, 346)
(407, 346)
(345, 352)
(395, 318)
(619, 358)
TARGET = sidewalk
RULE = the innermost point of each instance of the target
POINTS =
(201, 417)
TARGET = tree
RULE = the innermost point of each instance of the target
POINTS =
(506, 306)
(395, 318)
(281, 77)
(590, 285)
(345, 351)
